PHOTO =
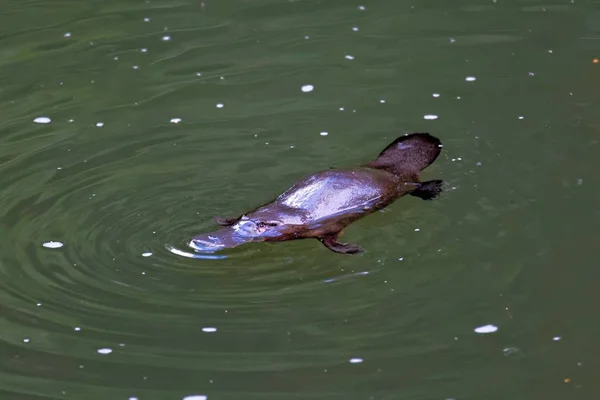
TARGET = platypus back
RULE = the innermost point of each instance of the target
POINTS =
(408, 155)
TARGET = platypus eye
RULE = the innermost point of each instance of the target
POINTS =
(263, 224)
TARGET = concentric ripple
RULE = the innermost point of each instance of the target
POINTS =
(118, 308)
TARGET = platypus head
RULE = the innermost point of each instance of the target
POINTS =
(244, 231)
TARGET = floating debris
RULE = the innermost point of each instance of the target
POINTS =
(486, 329)
(307, 88)
(42, 120)
(53, 245)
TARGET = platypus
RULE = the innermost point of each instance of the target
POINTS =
(321, 205)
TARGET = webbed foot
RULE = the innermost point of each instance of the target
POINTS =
(428, 190)
(226, 221)
(344, 248)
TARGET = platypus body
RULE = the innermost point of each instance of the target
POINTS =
(321, 205)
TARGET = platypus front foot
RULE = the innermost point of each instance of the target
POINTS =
(226, 221)
(344, 248)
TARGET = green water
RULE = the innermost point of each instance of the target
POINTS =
(512, 242)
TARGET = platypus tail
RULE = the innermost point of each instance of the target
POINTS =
(408, 155)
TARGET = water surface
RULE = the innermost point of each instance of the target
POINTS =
(157, 116)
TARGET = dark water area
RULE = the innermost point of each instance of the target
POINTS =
(126, 126)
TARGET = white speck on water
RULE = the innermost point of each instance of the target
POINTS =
(104, 351)
(136, 67)
(470, 79)
(478, 163)
(457, 97)
(42, 120)
(133, 398)
(355, 28)
(349, 57)
(436, 95)
(307, 88)
(532, 74)
(510, 350)
(195, 397)
(306, 37)
(417, 229)
(401, 259)
(341, 108)
(556, 338)
(146, 19)
(382, 101)
(175, 120)
(198, 73)
(166, 38)
(430, 116)
(521, 117)
(452, 40)
(26, 340)
(77, 329)
(220, 105)
(146, 254)
(71, 120)
(115, 58)
(580, 181)
(486, 329)
(550, 51)
(38, 305)
(324, 133)
(67, 34)
(356, 360)
(144, 50)
(362, 8)
(53, 245)
(99, 124)
(209, 329)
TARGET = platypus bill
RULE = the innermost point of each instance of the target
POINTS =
(321, 205)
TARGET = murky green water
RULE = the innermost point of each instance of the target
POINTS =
(138, 155)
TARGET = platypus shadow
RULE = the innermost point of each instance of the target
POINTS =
(321, 205)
